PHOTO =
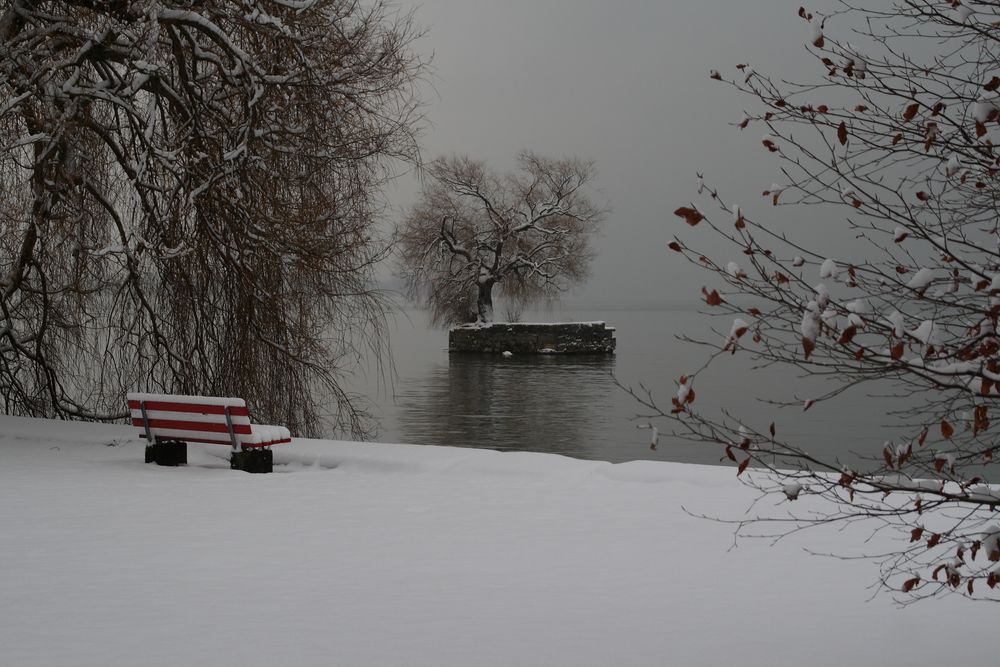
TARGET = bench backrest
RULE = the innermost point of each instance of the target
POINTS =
(199, 419)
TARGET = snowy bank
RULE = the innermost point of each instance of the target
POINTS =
(370, 554)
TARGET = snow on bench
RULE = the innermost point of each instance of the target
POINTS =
(170, 421)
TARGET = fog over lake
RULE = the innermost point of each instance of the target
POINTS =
(625, 85)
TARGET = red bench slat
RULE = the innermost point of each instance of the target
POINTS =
(184, 425)
(197, 408)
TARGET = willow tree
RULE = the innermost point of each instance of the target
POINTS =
(527, 234)
(895, 138)
(189, 196)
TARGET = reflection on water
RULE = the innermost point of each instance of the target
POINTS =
(556, 403)
(570, 405)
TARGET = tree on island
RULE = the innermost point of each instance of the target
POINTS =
(528, 233)
(190, 198)
(898, 140)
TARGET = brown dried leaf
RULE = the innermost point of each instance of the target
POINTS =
(910, 111)
(842, 133)
(691, 216)
(848, 335)
(712, 298)
(980, 419)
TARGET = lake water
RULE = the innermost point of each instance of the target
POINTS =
(571, 405)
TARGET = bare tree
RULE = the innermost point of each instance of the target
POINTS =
(528, 233)
(897, 139)
(189, 194)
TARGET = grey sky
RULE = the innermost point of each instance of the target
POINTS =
(623, 83)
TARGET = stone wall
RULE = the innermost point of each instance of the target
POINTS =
(522, 338)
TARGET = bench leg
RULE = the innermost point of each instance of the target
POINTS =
(257, 460)
(167, 453)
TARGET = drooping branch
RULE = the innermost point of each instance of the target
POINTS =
(203, 180)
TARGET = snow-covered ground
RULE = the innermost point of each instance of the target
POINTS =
(363, 554)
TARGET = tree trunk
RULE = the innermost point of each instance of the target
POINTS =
(484, 304)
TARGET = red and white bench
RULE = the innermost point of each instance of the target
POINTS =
(169, 422)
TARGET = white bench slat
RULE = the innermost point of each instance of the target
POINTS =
(189, 416)
(256, 439)
(183, 398)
